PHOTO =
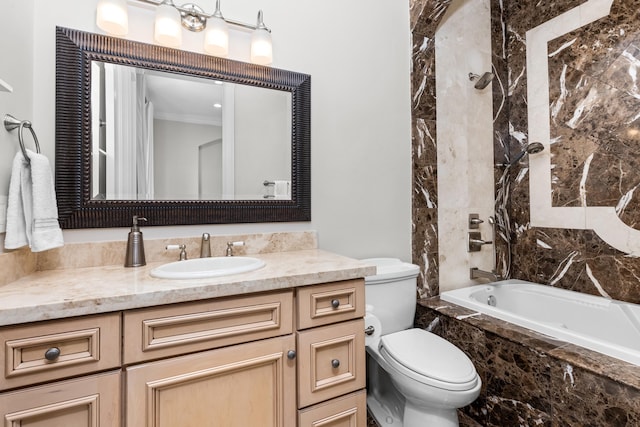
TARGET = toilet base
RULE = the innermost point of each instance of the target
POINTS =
(382, 414)
(411, 417)
(434, 418)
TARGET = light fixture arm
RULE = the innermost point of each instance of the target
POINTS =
(194, 18)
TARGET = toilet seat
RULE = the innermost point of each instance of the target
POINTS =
(429, 359)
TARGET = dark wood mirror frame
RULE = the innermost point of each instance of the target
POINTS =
(74, 52)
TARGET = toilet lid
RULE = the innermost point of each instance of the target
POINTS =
(424, 357)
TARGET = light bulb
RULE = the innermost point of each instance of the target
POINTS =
(112, 17)
(261, 48)
(168, 30)
(216, 37)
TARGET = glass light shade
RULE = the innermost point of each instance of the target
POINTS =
(112, 17)
(216, 37)
(168, 30)
(261, 48)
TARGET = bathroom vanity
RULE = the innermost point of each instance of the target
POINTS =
(279, 346)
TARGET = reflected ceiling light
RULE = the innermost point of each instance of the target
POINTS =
(112, 18)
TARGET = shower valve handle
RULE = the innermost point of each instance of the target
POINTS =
(475, 241)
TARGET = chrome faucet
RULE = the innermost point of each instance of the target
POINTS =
(182, 248)
(476, 273)
(230, 246)
(205, 246)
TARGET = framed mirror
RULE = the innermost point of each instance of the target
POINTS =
(177, 137)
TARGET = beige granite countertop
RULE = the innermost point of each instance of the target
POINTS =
(52, 294)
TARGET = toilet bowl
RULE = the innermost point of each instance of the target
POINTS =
(415, 378)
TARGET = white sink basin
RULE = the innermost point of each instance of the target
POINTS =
(201, 268)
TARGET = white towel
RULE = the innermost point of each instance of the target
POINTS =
(32, 213)
(282, 189)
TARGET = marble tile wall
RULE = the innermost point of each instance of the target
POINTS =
(595, 132)
(594, 138)
(425, 16)
(594, 120)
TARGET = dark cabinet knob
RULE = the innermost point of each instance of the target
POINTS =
(335, 303)
(291, 354)
(335, 363)
(52, 354)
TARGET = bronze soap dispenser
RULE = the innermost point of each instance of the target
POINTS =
(135, 245)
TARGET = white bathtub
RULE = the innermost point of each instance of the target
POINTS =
(607, 326)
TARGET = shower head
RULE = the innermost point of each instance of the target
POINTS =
(531, 148)
(481, 81)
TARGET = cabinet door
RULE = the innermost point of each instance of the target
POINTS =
(244, 385)
(91, 401)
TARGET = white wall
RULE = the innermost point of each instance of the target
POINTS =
(358, 55)
(16, 47)
(171, 150)
(465, 139)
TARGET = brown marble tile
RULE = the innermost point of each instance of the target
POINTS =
(426, 14)
(581, 398)
(524, 15)
(595, 47)
(371, 422)
(530, 379)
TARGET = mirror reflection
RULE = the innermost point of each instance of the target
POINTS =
(165, 136)
(195, 177)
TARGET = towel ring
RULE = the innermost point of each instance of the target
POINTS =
(10, 123)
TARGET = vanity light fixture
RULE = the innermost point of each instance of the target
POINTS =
(112, 17)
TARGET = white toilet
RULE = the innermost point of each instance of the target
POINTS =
(415, 378)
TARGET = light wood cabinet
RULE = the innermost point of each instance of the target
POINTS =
(244, 385)
(91, 401)
(331, 361)
(330, 303)
(331, 355)
(276, 359)
(165, 331)
(345, 411)
(47, 351)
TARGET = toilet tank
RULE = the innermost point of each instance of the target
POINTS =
(391, 294)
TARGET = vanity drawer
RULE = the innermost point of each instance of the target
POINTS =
(331, 361)
(349, 410)
(333, 302)
(57, 349)
(184, 328)
(89, 401)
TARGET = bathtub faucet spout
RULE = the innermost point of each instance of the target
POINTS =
(476, 273)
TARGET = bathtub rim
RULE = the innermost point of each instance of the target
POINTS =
(613, 350)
